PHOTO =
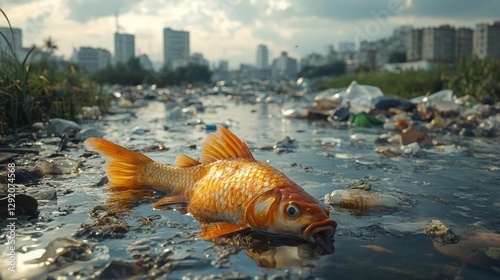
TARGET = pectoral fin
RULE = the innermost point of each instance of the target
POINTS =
(220, 229)
(173, 198)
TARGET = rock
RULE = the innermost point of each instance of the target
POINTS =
(412, 148)
(139, 130)
(360, 199)
(38, 126)
(287, 143)
(58, 166)
(116, 269)
(91, 113)
(58, 127)
(340, 114)
(466, 132)
(441, 233)
(24, 205)
(359, 185)
(409, 136)
(63, 251)
(388, 151)
(86, 133)
(384, 103)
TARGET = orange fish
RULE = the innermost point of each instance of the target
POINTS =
(227, 190)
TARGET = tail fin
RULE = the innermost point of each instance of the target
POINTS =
(122, 164)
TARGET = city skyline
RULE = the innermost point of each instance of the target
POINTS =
(231, 29)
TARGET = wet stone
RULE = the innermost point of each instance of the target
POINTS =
(86, 133)
(24, 205)
(287, 143)
(63, 251)
(116, 269)
(58, 127)
(108, 225)
(57, 166)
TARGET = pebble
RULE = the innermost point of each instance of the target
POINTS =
(57, 166)
(86, 133)
(58, 127)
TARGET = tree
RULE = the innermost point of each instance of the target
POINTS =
(49, 45)
(397, 57)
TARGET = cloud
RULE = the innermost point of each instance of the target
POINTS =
(454, 9)
(83, 11)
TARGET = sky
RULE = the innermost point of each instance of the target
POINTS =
(232, 29)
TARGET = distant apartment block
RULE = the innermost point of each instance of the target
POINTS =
(13, 38)
(486, 40)
(414, 45)
(262, 58)
(438, 44)
(463, 42)
(446, 44)
(124, 47)
(284, 67)
(175, 47)
(92, 59)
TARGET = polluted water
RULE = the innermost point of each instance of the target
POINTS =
(421, 207)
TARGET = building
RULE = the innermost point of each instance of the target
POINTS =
(262, 57)
(92, 59)
(145, 62)
(124, 47)
(347, 50)
(414, 45)
(13, 39)
(463, 42)
(284, 67)
(175, 48)
(486, 40)
(438, 44)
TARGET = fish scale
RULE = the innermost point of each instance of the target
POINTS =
(227, 190)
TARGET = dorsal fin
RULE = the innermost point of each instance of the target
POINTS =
(185, 161)
(223, 144)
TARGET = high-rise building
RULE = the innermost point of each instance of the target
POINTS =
(262, 57)
(463, 42)
(124, 47)
(13, 38)
(438, 44)
(92, 59)
(414, 45)
(486, 40)
(175, 47)
(284, 67)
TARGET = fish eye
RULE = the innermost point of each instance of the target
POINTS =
(292, 210)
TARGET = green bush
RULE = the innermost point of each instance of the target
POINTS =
(475, 77)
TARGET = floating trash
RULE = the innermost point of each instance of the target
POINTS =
(360, 199)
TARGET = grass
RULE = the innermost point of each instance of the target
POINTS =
(37, 88)
(475, 77)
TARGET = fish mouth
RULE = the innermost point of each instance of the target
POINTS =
(324, 229)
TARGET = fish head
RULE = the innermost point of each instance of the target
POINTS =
(291, 212)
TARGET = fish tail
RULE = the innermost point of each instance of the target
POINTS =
(122, 164)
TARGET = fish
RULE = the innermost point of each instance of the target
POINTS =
(227, 190)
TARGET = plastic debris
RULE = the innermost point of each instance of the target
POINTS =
(409, 136)
(364, 120)
(361, 98)
(360, 199)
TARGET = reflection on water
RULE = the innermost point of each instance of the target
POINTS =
(276, 252)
